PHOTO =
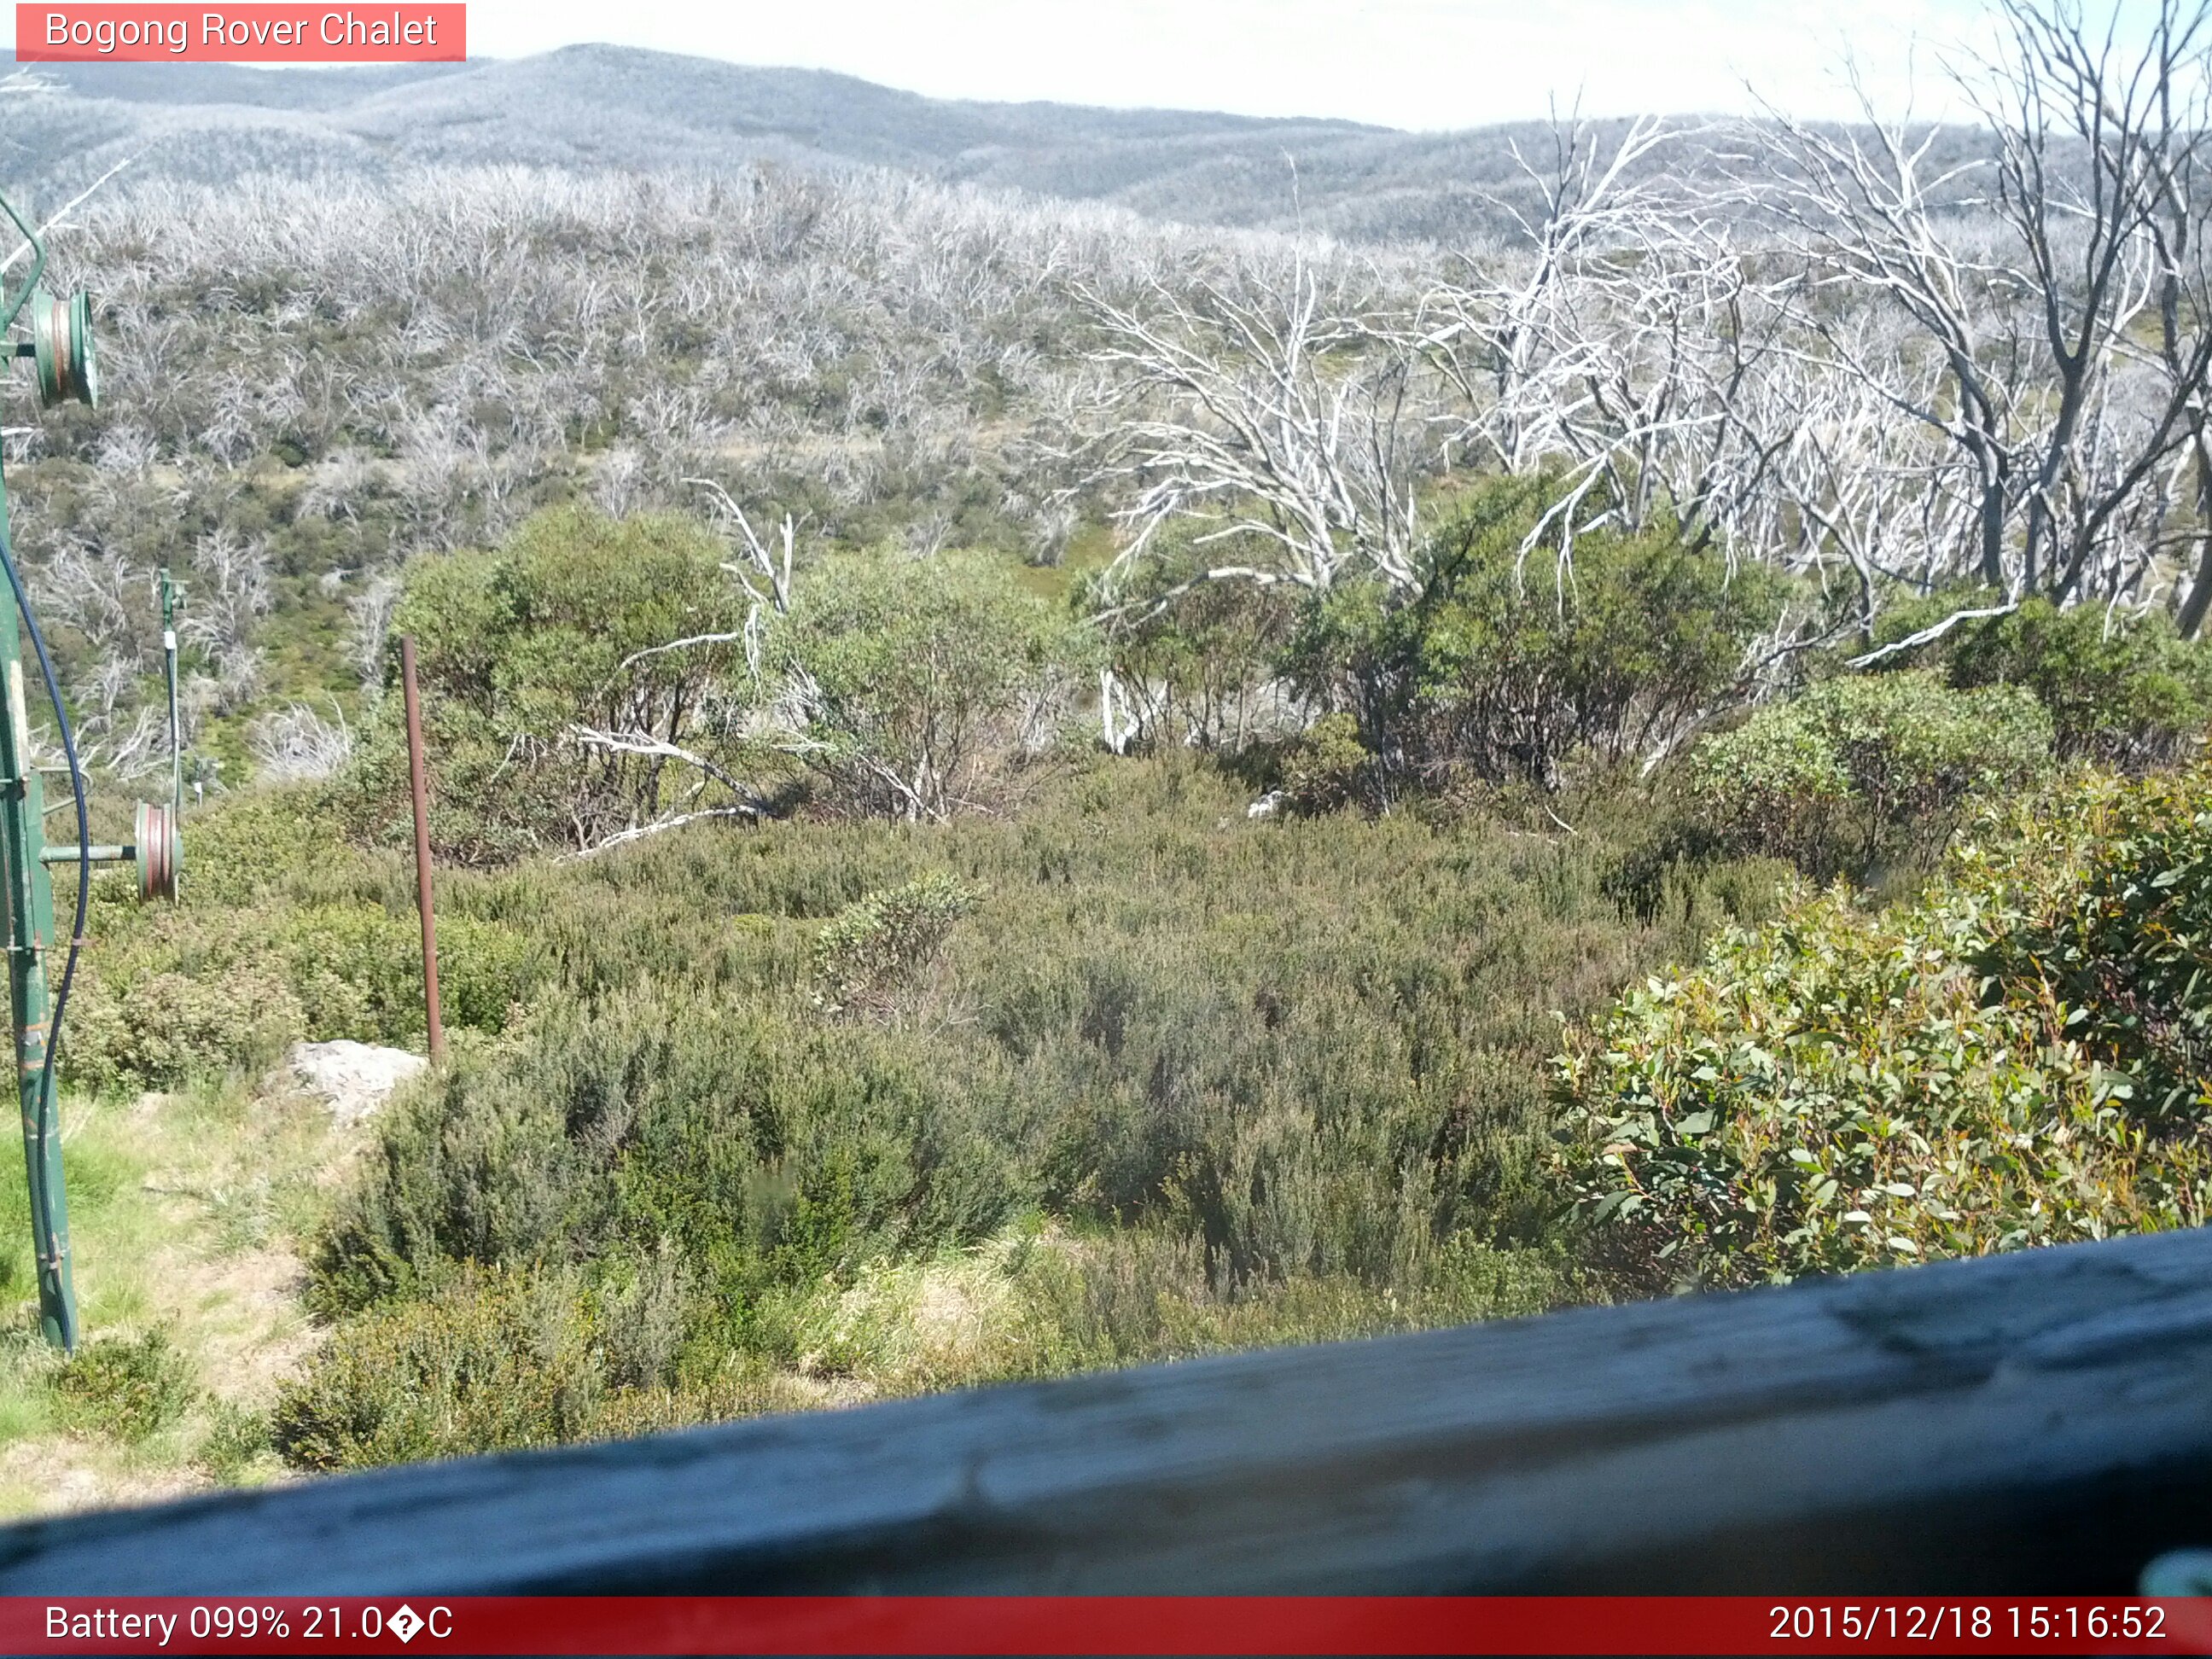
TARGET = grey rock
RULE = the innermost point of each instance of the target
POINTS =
(355, 1079)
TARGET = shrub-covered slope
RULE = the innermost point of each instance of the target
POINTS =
(2018, 1057)
(1128, 1075)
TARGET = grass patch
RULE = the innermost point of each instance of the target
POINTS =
(185, 1211)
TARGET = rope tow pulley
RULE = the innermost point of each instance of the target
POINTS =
(158, 852)
(62, 346)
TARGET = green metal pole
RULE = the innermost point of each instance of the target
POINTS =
(30, 902)
(169, 663)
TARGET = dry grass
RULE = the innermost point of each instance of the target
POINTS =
(187, 1215)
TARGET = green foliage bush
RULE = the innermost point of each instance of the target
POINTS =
(2122, 690)
(489, 1362)
(2120, 936)
(495, 1362)
(284, 934)
(159, 1029)
(906, 687)
(1845, 1088)
(871, 951)
(357, 970)
(199, 994)
(763, 1149)
(1309, 1055)
(923, 676)
(1510, 660)
(557, 630)
(235, 1439)
(245, 845)
(1859, 770)
(130, 1388)
(1326, 765)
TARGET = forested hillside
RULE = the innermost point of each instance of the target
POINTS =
(1020, 785)
(590, 108)
(598, 108)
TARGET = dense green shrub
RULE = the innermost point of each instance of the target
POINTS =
(870, 952)
(2123, 688)
(497, 1361)
(159, 1027)
(1859, 769)
(920, 678)
(1510, 658)
(559, 631)
(1310, 1050)
(245, 845)
(2117, 930)
(762, 1148)
(287, 934)
(1307, 1056)
(357, 970)
(518, 1358)
(201, 992)
(591, 677)
(1326, 765)
(1846, 1088)
(130, 1388)
(1141, 1297)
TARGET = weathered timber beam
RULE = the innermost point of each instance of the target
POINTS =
(2036, 1422)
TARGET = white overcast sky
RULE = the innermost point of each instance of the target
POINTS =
(1423, 63)
(1432, 64)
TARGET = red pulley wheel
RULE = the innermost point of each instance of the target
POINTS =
(161, 852)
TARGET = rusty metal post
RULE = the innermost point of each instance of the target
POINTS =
(420, 784)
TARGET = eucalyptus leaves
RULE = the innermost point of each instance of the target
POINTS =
(2018, 1059)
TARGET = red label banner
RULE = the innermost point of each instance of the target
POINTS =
(1102, 1625)
(257, 33)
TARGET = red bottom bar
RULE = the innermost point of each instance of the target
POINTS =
(903, 1624)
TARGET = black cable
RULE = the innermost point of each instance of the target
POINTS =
(83, 887)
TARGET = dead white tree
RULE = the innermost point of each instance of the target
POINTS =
(1856, 494)
(1492, 328)
(297, 745)
(1271, 411)
(2177, 124)
(2091, 168)
(2031, 269)
(762, 572)
(1622, 345)
(1865, 212)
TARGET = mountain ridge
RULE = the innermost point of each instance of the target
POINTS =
(601, 107)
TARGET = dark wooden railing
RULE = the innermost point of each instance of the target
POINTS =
(2039, 1424)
